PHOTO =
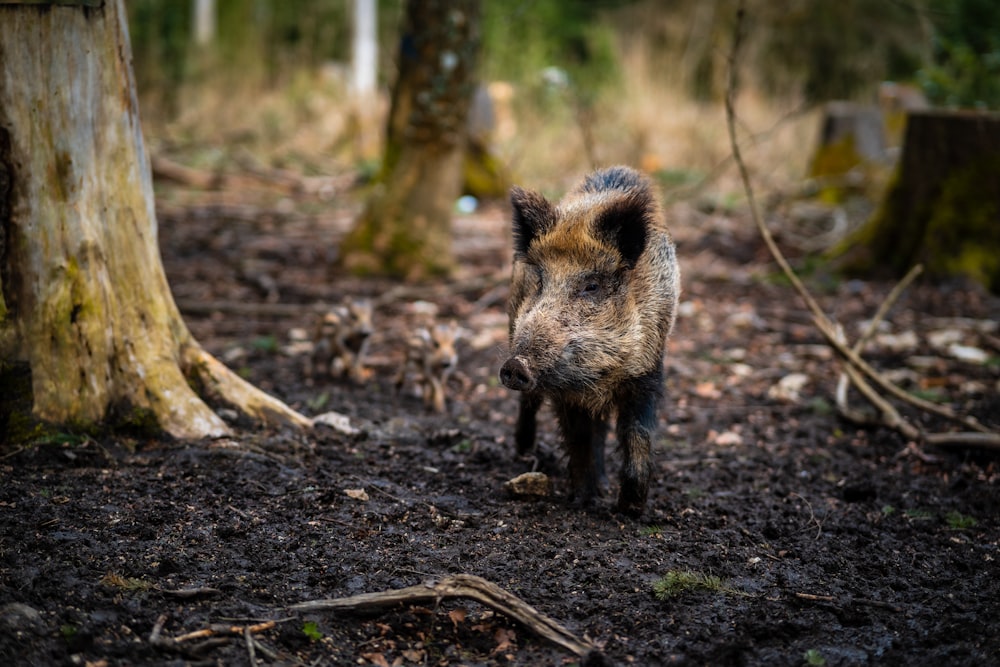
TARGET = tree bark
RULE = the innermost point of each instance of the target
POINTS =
(943, 207)
(84, 301)
(405, 229)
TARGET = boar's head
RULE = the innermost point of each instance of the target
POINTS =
(593, 289)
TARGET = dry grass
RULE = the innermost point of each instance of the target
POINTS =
(308, 124)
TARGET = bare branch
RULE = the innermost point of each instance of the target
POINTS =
(461, 586)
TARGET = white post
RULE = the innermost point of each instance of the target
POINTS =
(365, 52)
(204, 22)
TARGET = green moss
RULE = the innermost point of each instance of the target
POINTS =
(17, 424)
(954, 233)
(381, 245)
(842, 172)
(483, 174)
(963, 229)
(835, 158)
(677, 582)
(830, 163)
(134, 421)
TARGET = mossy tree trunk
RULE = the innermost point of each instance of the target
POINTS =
(943, 207)
(405, 229)
(84, 303)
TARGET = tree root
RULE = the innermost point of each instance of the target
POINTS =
(219, 383)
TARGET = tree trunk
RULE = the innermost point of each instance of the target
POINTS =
(943, 208)
(84, 302)
(405, 229)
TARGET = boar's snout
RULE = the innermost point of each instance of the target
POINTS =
(515, 374)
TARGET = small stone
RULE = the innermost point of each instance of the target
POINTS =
(338, 422)
(787, 389)
(529, 484)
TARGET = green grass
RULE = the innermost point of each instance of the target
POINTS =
(311, 630)
(959, 521)
(267, 343)
(651, 531)
(677, 582)
(813, 658)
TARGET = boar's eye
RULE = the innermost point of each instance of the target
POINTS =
(590, 287)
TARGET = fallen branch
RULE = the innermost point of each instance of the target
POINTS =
(214, 636)
(167, 169)
(857, 367)
(188, 593)
(249, 308)
(470, 587)
(890, 416)
(281, 180)
(811, 597)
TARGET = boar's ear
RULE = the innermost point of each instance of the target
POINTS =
(624, 223)
(533, 216)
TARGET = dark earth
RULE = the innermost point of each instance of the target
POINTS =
(792, 537)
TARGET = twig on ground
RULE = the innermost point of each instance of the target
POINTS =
(984, 440)
(812, 597)
(812, 515)
(469, 587)
(217, 629)
(890, 415)
(187, 593)
(856, 366)
(154, 636)
(251, 652)
(268, 653)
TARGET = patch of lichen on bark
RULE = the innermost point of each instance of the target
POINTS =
(17, 424)
(385, 245)
(841, 171)
(879, 243)
(962, 236)
(483, 174)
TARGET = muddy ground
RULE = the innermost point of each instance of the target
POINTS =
(796, 537)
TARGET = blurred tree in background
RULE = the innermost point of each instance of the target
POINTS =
(836, 50)
(405, 229)
(257, 44)
(566, 53)
(587, 82)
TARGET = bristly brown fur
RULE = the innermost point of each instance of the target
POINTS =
(593, 299)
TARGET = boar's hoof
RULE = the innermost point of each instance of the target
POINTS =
(514, 374)
(631, 503)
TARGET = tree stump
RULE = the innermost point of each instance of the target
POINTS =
(942, 208)
(89, 332)
(851, 154)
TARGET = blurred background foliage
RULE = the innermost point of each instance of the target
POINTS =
(632, 80)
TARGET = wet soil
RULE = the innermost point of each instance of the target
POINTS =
(791, 536)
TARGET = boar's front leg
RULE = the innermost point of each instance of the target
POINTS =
(524, 433)
(636, 423)
(584, 434)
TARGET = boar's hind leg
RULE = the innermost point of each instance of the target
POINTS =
(636, 423)
(524, 433)
(584, 435)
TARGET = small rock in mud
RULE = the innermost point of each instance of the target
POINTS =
(529, 484)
